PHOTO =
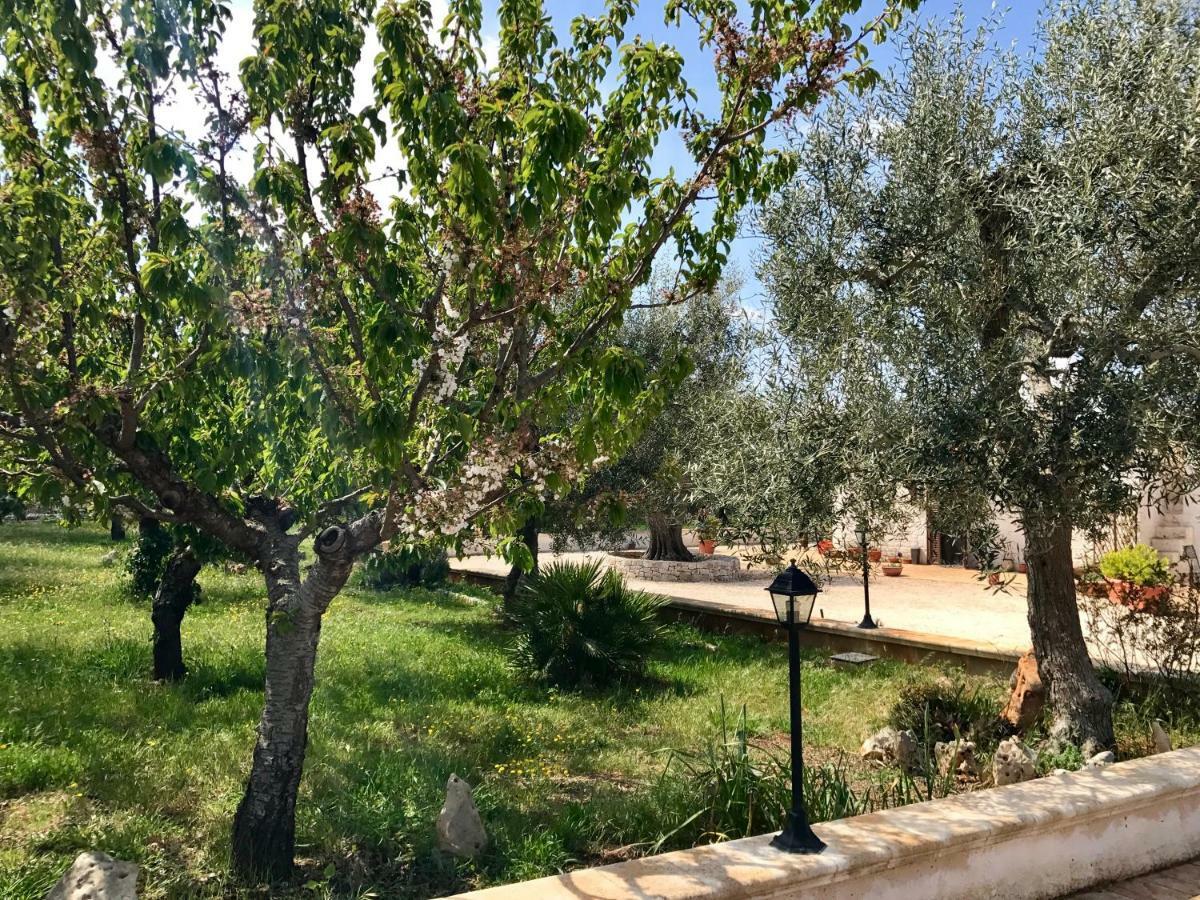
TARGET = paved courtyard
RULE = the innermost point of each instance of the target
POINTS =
(1178, 883)
(949, 602)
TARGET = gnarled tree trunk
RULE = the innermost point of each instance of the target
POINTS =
(176, 592)
(116, 529)
(264, 828)
(666, 540)
(1081, 705)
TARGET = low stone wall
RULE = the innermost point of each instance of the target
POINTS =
(1041, 839)
(705, 568)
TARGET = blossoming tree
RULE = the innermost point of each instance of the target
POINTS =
(278, 356)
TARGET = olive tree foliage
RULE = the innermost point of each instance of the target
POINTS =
(650, 483)
(1015, 244)
(278, 356)
(810, 445)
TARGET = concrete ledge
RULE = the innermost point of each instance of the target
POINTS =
(839, 637)
(1041, 839)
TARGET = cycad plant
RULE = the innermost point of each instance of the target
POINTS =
(579, 624)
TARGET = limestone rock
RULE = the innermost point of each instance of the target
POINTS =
(1162, 740)
(1101, 760)
(459, 828)
(96, 876)
(1028, 695)
(957, 758)
(891, 746)
(1061, 772)
(110, 558)
(1013, 763)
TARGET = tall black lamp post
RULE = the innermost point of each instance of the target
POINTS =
(864, 537)
(793, 595)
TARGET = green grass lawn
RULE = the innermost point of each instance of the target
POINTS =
(411, 686)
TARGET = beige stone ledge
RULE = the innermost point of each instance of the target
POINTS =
(1041, 839)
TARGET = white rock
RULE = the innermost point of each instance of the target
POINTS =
(1101, 760)
(96, 876)
(957, 758)
(1061, 772)
(1162, 740)
(1013, 763)
(459, 828)
(109, 558)
(891, 746)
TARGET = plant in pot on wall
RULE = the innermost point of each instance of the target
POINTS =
(1138, 576)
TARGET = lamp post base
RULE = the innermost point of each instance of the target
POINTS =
(797, 836)
(867, 622)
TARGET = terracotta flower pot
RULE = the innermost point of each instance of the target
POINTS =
(708, 548)
(823, 547)
(892, 570)
(993, 578)
(1141, 598)
(874, 555)
(1023, 568)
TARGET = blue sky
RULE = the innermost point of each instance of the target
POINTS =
(1019, 23)
(1018, 18)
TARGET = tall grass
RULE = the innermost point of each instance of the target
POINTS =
(735, 786)
(410, 687)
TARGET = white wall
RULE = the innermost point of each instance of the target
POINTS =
(1045, 838)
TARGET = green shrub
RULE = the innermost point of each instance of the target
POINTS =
(1139, 564)
(578, 624)
(403, 566)
(943, 709)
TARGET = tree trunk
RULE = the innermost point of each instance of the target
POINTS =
(666, 541)
(176, 592)
(1081, 705)
(529, 537)
(264, 828)
(116, 529)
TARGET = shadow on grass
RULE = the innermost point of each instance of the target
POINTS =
(411, 687)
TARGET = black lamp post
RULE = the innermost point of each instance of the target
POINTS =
(793, 595)
(863, 542)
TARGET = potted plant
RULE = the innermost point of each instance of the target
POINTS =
(892, 567)
(824, 546)
(1137, 576)
(874, 554)
(707, 532)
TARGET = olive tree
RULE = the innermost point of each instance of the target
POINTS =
(277, 357)
(808, 444)
(702, 344)
(1015, 245)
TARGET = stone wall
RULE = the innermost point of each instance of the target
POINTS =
(704, 568)
(1044, 838)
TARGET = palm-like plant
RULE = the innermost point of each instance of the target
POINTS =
(578, 624)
